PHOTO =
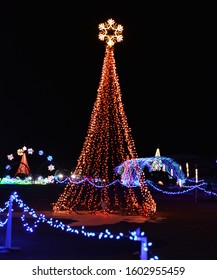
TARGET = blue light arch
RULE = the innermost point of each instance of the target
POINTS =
(131, 170)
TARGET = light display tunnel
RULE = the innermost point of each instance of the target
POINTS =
(159, 169)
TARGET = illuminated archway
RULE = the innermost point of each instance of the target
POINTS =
(131, 170)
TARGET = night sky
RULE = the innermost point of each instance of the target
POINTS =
(51, 61)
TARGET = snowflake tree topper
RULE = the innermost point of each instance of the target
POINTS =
(111, 32)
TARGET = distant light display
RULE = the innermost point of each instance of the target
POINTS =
(24, 169)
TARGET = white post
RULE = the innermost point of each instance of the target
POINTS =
(196, 175)
(9, 225)
(144, 245)
(144, 248)
(187, 169)
(196, 180)
(7, 246)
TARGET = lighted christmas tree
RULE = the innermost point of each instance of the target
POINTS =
(108, 143)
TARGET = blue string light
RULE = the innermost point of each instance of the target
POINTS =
(41, 218)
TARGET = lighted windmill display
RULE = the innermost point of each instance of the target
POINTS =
(108, 143)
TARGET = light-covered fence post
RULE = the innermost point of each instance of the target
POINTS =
(8, 247)
(143, 246)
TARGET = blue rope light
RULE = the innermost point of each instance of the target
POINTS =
(41, 218)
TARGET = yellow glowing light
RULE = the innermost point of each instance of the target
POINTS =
(20, 152)
(111, 32)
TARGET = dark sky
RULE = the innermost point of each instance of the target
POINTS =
(51, 61)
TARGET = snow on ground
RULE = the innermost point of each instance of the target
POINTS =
(87, 219)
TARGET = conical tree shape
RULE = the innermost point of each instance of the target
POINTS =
(108, 143)
(23, 166)
(157, 163)
(157, 153)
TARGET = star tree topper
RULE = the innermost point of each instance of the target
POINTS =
(111, 32)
